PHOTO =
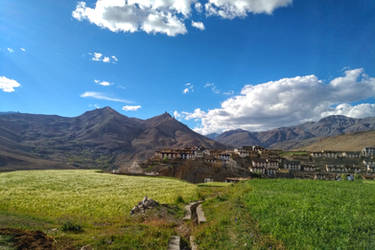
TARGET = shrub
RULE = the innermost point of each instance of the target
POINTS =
(180, 199)
(71, 227)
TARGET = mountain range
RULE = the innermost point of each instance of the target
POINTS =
(104, 138)
(296, 136)
(100, 138)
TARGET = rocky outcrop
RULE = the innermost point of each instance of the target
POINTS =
(143, 205)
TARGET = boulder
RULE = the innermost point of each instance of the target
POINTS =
(143, 205)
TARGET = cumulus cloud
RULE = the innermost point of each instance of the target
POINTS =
(8, 85)
(103, 83)
(290, 101)
(177, 114)
(188, 88)
(163, 16)
(99, 57)
(356, 111)
(166, 16)
(131, 108)
(101, 96)
(239, 8)
(198, 25)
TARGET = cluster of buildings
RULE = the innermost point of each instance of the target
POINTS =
(270, 163)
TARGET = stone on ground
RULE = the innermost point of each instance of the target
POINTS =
(174, 243)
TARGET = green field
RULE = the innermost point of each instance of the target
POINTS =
(98, 202)
(292, 214)
(257, 214)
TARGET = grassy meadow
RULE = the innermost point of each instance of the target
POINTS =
(257, 214)
(291, 214)
(99, 203)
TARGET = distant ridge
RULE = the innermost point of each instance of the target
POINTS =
(297, 136)
(348, 142)
(99, 138)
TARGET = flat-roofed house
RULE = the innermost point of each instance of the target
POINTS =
(292, 165)
(341, 168)
(309, 167)
(369, 165)
(264, 166)
(368, 151)
(318, 154)
(351, 155)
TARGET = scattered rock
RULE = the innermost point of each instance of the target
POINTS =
(143, 205)
(200, 215)
(193, 245)
(87, 247)
(174, 243)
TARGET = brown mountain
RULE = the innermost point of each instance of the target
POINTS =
(99, 138)
(300, 135)
(348, 142)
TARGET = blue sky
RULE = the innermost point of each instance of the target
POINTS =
(256, 66)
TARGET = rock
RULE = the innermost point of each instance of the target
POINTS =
(193, 245)
(174, 243)
(200, 215)
(143, 205)
(87, 247)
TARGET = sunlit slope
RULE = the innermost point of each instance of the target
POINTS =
(349, 142)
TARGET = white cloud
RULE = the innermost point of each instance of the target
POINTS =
(177, 114)
(213, 87)
(239, 8)
(217, 91)
(131, 108)
(23, 49)
(115, 59)
(229, 92)
(188, 88)
(99, 57)
(162, 16)
(10, 50)
(166, 16)
(103, 83)
(289, 101)
(198, 25)
(101, 96)
(198, 6)
(106, 59)
(356, 111)
(8, 85)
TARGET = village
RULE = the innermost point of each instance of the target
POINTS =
(256, 161)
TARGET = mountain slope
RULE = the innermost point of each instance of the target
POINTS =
(291, 137)
(348, 142)
(98, 138)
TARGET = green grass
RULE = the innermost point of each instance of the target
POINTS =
(93, 208)
(215, 184)
(98, 202)
(315, 214)
(292, 214)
